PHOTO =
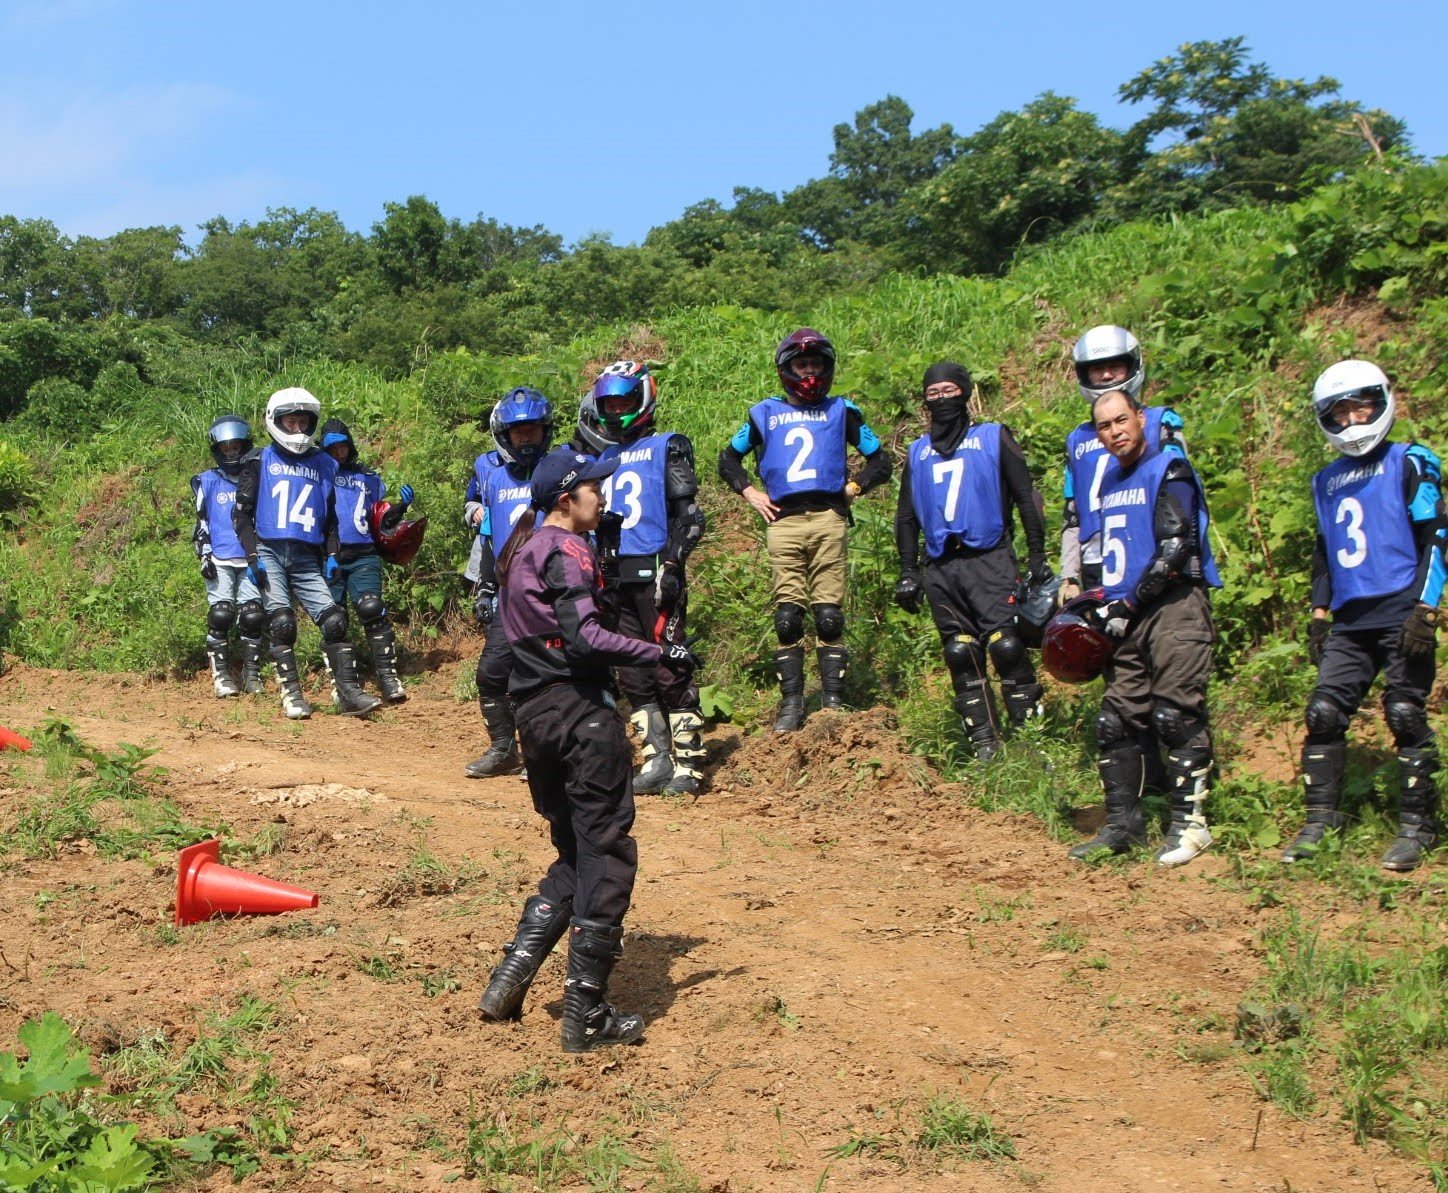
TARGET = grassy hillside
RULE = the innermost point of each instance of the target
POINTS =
(1238, 310)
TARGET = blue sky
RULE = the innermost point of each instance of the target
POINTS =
(585, 117)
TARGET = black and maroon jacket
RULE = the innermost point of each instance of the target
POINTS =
(550, 613)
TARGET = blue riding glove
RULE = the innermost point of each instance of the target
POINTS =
(256, 571)
(405, 495)
(331, 569)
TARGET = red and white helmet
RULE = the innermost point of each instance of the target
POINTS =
(1074, 648)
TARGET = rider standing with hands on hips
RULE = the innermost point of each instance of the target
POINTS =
(800, 441)
(575, 749)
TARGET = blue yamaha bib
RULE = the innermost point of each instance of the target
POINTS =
(292, 500)
(637, 490)
(1086, 464)
(216, 498)
(959, 494)
(357, 491)
(804, 446)
(505, 498)
(1371, 550)
(1128, 524)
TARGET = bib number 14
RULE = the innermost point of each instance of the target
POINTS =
(293, 513)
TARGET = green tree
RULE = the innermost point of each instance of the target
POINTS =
(1223, 130)
(1022, 178)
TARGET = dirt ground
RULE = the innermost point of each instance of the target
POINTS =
(820, 944)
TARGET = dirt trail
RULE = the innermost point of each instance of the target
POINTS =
(816, 955)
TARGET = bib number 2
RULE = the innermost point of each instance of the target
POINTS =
(797, 471)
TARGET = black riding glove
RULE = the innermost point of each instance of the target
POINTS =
(1038, 571)
(909, 592)
(208, 567)
(1418, 638)
(484, 597)
(1317, 631)
(678, 659)
(1113, 618)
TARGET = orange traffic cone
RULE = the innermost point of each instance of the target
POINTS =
(12, 740)
(204, 888)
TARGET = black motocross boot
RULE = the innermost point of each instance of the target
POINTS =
(352, 701)
(1022, 699)
(1154, 778)
(789, 666)
(1417, 809)
(834, 661)
(1121, 777)
(686, 727)
(294, 704)
(652, 726)
(978, 714)
(541, 927)
(222, 681)
(588, 1021)
(1189, 772)
(1323, 767)
(252, 653)
(500, 758)
(383, 641)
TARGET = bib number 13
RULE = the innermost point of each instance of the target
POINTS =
(1350, 518)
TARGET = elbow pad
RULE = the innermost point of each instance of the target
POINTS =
(1166, 569)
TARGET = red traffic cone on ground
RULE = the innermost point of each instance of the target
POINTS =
(204, 888)
(9, 740)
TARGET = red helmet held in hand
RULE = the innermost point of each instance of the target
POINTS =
(397, 540)
(1075, 649)
(805, 342)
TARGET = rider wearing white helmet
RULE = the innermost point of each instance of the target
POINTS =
(1377, 576)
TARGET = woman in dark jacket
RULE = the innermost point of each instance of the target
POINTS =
(575, 748)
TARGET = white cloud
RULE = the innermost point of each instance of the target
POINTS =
(45, 14)
(95, 163)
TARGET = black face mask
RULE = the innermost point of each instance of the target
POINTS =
(949, 420)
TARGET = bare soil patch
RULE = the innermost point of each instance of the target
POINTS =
(823, 942)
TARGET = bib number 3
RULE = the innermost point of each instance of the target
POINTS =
(1350, 511)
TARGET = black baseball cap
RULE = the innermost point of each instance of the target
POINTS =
(562, 471)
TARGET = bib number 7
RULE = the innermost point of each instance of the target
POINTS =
(951, 471)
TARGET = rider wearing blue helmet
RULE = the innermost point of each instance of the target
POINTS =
(498, 496)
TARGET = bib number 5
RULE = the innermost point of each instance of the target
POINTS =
(1113, 550)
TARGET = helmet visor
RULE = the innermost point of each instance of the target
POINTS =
(1358, 408)
(230, 429)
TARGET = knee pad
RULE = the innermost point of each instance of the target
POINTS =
(333, 624)
(252, 619)
(1407, 720)
(1007, 652)
(1175, 726)
(370, 609)
(219, 618)
(1326, 722)
(829, 622)
(788, 623)
(283, 626)
(965, 660)
(1111, 731)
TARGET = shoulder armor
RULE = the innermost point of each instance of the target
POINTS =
(1171, 420)
(1424, 459)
